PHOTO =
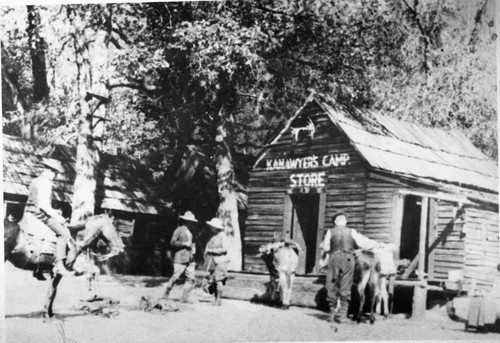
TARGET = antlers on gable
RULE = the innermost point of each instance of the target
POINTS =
(309, 127)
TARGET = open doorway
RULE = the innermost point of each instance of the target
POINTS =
(304, 228)
(410, 227)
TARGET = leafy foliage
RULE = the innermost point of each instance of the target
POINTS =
(177, 71)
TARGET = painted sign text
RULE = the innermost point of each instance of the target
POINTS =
(308, 180)
(309, 162)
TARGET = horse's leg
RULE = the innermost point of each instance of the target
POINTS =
(89, 278)
(384, 296)
(286, 298)
(374, 297)
(390, 291)
(283, 288)
(361, 292)
(51, 294)
(273, 289)
(291, 279)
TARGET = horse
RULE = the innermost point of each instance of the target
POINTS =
(30, 245)
(281, 259)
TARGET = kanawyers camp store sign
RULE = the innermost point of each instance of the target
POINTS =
(306, 182)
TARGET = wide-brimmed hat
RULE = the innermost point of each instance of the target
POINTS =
(54, 165)
(189, 216)
(341, 213)
(216, 223)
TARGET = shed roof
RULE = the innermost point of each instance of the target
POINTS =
(124, 184)
(398, 147)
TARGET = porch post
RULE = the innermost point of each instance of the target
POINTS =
(420, 290)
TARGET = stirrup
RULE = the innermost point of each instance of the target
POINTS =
(61, 270)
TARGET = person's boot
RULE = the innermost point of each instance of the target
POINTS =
(334, 315)
(38, 274)
(185, 294)
(341, 315)
(167, 292)
(185, 297)
(60, 268)
(218, 295)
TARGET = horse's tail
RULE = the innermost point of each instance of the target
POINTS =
(11, 232)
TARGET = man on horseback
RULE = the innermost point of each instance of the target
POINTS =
(340, 243)
(182, 242)
(39, 205)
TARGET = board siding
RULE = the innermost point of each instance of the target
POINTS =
(482, 246)
(345, 186)
(373, 202)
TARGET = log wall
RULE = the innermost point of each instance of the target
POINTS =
(380, 208)
(345, 185)
(373, 202)
(445, 242)
(481, 246)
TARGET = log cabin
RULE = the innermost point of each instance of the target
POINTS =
(145, 221)
(429, 191)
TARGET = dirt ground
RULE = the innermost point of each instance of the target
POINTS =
(234, 321)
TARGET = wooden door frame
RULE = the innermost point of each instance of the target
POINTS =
(289, 218)
(428, 222)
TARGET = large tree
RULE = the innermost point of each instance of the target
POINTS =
(198, 88)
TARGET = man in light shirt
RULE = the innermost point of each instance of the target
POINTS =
(184, 250)
(40, 206)
(218, 261)
(340, 243)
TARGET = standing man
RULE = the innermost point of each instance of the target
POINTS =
(218, 261)
(340, 243)
(184, 250)
(39, 204)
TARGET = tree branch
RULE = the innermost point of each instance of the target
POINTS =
(477, 21)
(134, 84)
(423, 33)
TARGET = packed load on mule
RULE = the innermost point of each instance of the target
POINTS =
(281, 258)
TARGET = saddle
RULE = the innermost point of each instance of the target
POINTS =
(35, 237)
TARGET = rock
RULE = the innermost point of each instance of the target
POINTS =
(166, 305)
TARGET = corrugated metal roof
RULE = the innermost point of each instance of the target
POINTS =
(399, 147)
(125, 185)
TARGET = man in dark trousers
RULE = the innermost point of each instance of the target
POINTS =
(39, 205)
(184, 250)
(340, 243)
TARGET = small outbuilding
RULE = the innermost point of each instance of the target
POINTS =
(145, 221)
(428, 191)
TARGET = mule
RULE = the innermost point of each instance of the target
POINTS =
(281, 260)
(367, 273)
(30, 245)
(372, 269)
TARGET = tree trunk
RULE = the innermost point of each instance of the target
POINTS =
(87, 161)
(228, 206)
(93, 114)
(37, 51)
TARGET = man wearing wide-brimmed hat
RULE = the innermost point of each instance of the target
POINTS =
(39, 204)
(218, 261)
(184, 250)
